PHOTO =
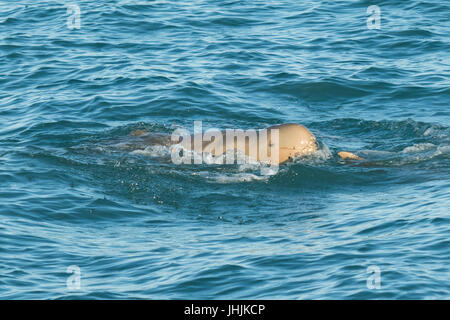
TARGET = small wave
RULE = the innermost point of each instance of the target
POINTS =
(418, 148)
(442, 150)
(325, 89)
(436, 131)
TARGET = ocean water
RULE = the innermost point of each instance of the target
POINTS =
(83, 217)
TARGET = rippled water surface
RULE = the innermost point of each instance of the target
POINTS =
(138, 226)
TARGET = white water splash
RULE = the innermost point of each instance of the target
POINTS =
(153, 151)
(319, 157)
(236, 177)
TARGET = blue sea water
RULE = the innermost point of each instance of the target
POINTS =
(134, 225)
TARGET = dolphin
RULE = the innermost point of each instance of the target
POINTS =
(294, 140)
